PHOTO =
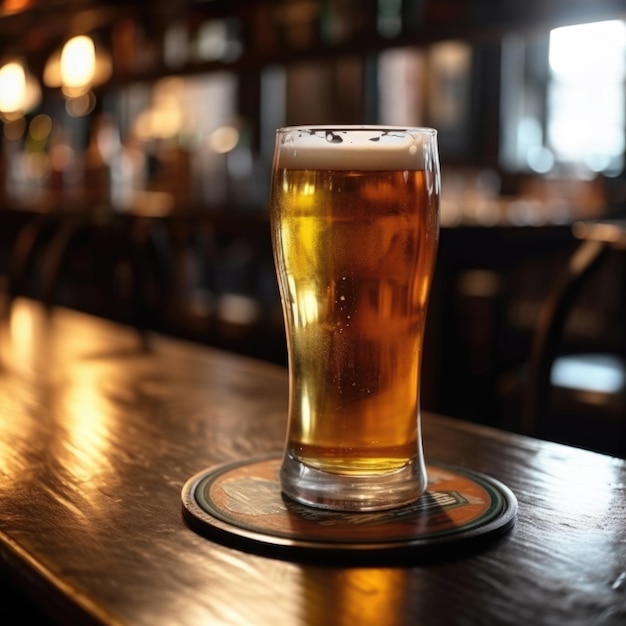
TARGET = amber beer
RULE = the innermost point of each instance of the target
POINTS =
(355, 229)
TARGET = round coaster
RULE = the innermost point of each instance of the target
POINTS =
(241, 504)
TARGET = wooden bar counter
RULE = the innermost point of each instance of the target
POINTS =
(98, 437)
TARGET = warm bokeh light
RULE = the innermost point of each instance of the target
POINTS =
(37, 166)
(40, 127)
(159, 123)
(78, 63)
(223, 139)
(19, 90)
(12, 87)
(62, 157)
(15, 129)
(78, 67)
(81, 105)
(13, 6)
(52, 70)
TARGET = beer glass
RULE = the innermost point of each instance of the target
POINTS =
(355, 227)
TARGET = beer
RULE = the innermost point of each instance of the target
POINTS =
(355, 235)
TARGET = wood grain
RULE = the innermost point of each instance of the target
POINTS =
(97, 438)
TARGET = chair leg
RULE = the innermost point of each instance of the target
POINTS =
(150, 257)
(56, 256)
(30, 241)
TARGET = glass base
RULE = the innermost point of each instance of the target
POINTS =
(338, 492)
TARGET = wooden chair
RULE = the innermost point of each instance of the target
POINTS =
(100, 262)
(594, 418)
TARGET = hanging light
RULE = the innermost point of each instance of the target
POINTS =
(19, 90)
(12, 87)
(78, 66)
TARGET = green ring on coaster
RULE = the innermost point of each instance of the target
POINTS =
(241, 505)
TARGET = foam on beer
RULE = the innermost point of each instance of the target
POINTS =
(366, 149)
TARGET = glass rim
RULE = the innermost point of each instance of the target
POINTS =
(426, 130)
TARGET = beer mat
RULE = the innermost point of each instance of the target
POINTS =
(240, 504)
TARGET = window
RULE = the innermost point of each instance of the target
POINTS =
(564, 102)
(586, 95)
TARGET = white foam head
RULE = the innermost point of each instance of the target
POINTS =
(354, 148)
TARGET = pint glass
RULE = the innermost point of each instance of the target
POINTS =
(355, 226)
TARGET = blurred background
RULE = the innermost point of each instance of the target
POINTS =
(136, 142)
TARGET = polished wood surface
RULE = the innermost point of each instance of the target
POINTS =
(97, 438)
